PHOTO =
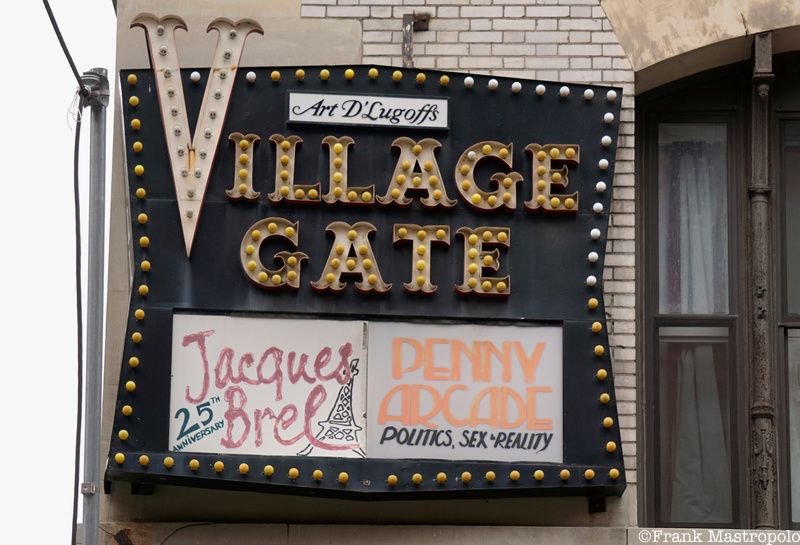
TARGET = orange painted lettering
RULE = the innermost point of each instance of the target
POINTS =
(504, 357)
(505, 394)
(529, 364)
(431, 371)
(416, 406)
(397, 356)
(405, 406)
(448, 415)
(475, 418)
(533, 422)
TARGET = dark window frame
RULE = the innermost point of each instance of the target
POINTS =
(786, 321)
(670, 104)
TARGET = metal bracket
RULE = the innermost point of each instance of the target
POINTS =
(142, 489)
(88, 488)
(412, 22)
(597, 504)
(420, 20)
(123, 537)
(96, 80)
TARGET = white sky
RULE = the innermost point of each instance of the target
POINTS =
(37, 334)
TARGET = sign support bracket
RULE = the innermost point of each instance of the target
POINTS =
(412, 22)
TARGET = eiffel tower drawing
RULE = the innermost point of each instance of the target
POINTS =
(340, 427)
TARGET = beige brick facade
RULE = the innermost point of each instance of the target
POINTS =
(557, 40)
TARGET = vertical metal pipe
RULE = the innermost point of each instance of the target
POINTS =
(97, 82)
(763, 488)
(408, 40)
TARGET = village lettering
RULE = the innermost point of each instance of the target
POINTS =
(416, 176)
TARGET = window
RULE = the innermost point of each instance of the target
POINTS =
(793, 357)
(691, 357)
(688, 140)
(692, 219)
(789, 183)
(701, 367)
(694, 426)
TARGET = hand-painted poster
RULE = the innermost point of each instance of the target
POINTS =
(465, 392)
(267, 386)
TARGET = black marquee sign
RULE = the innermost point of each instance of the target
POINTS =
(365, 281)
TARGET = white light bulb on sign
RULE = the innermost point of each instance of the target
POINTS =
(597, 207)
(516, 87)
(492, 85)
(564, 92)
(540, 89)
(611, 96)
(469, 82)
(251, 77)
(603, 164)
(595, 234)
(608, 118)
(605, 141)
(593, 257)
(194, 77)
(600, 187)
(591, 280)
(588, 94)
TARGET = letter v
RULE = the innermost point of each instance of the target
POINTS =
(193, 156)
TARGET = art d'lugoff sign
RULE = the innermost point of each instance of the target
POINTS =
(364, 281)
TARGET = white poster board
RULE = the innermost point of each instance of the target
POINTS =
(372, 110)
(465, 392)
(286, 387)
(267, 386)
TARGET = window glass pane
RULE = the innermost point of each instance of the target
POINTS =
(692, 218)
(694, 475)
(793, 351)
(791, 183)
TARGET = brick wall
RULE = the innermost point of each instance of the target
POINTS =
(561, 40)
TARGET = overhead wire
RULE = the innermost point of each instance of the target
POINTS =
(84, 93)
(83, 89)
(79, 317)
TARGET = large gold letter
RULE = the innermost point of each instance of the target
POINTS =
(192, 159)
(421, 256)
(506, 192)
(338, 190)
(289, 273)
(351, 254)
(546, 176)
(408, 177)
(285, 188)
(476, 259)
(243, 167)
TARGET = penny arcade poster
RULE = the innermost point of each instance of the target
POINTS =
(364, 281)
